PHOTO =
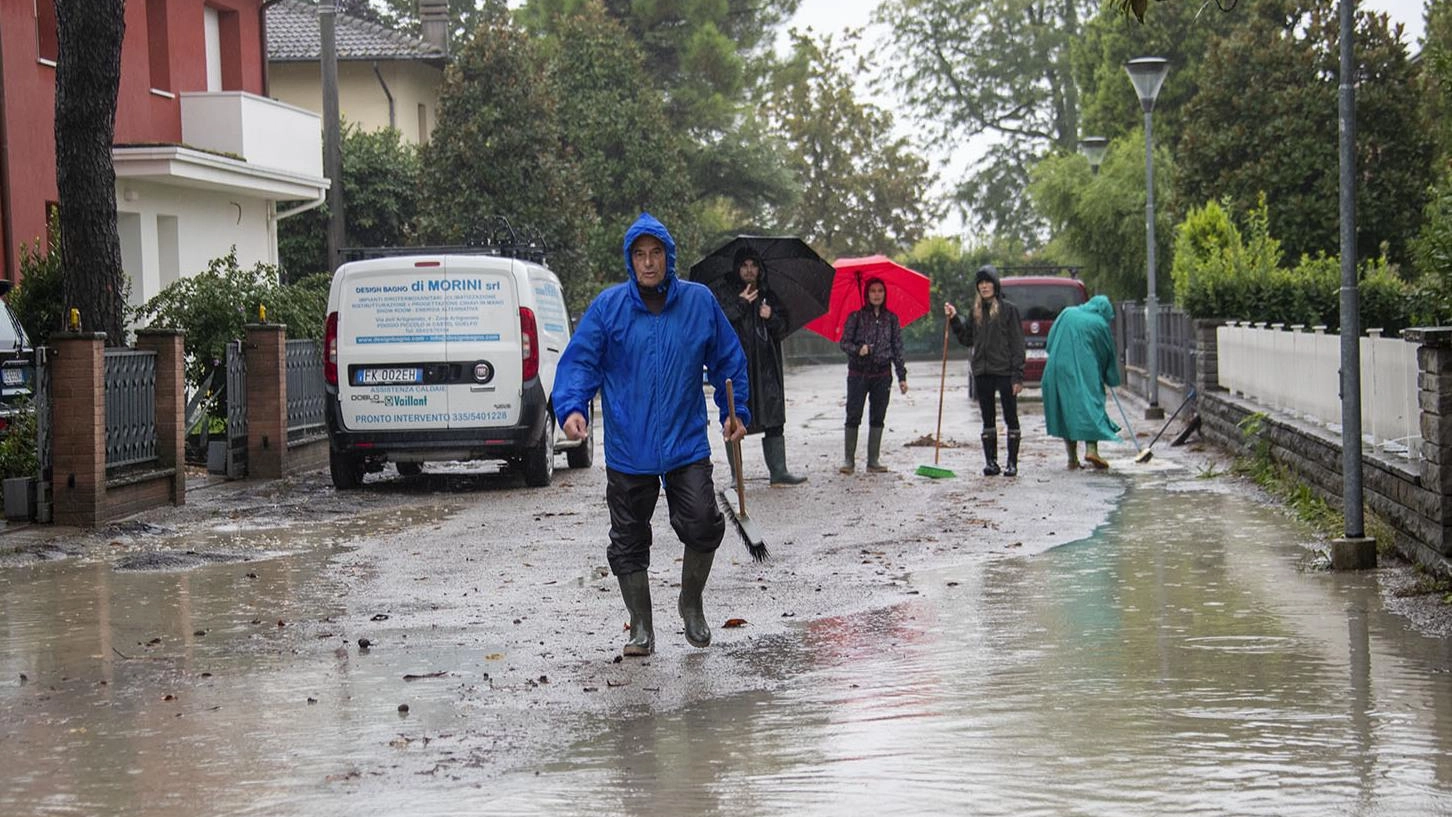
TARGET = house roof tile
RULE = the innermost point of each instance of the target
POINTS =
(293, 36)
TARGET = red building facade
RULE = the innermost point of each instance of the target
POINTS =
(171, 47)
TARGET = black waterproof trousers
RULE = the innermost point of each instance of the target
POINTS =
(859, 389)
(984, 386)
(691, 498)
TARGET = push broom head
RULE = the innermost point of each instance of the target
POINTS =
(934, 472)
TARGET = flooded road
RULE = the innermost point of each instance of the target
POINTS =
(1176, 663)
(1181, 660)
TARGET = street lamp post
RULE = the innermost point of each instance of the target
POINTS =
(1148, 74)
(1094, 148)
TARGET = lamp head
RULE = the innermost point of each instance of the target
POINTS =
(1094, 148)
(1147, 74)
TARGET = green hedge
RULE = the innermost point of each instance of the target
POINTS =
(1221, 272)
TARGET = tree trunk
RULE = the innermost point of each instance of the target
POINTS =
(87, 80)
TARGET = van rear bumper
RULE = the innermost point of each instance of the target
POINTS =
(485, 443)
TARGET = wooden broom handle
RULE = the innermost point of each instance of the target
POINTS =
(733, 450)
(942, 384)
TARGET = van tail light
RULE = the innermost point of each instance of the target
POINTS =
(330, 349)
(528, 343)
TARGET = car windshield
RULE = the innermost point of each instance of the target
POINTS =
(1041, 302)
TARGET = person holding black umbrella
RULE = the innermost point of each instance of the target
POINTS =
(761, 323)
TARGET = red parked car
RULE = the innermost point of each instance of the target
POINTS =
(1040, 299)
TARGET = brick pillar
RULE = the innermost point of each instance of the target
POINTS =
(1434, 396)
(1207, 355)
(266, 348)
(171, 403)
(78, 428)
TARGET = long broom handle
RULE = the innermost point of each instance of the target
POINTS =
(942, 384)
(733, 450)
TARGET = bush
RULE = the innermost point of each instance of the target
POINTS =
(37, 300)
(1220, 272)
(213, 306)
(18, 455)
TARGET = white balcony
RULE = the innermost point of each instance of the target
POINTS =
(262, 132)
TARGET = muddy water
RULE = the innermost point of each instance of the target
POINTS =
(1181, 661)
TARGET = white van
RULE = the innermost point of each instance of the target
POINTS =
(444, 356)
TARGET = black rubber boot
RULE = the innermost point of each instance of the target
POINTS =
(635, 588)
(695, 568)
(874, 449)
(1014, 438)
(990, 454)
(773, 449)
(849, 457)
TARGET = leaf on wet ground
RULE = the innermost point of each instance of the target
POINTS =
(734, 622)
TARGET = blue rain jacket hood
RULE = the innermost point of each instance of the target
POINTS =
(647, 367)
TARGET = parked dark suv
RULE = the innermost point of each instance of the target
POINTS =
(1040, 299)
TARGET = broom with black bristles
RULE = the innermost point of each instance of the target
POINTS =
(755, 545)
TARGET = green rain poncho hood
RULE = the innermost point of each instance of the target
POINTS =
(1082, 362)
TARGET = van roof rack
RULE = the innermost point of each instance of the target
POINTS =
(492, 236)
(1055, 270)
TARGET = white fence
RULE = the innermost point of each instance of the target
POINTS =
(1298, 372)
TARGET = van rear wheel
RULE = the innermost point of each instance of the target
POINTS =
(539, 461)
(409, 469)
(346, 469)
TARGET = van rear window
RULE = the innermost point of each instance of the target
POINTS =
(1042, 302)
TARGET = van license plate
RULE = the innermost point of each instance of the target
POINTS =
(12, 377)
(1036, 354)
(386, 377)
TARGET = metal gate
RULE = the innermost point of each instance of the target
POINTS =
(236, 411)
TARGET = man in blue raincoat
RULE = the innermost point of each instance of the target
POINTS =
(1081, 364)
(642, 345)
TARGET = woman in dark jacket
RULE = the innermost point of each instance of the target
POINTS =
(760, 322)
(872, 340)
(995, 332)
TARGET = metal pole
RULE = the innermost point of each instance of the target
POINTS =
(1151, 304)
(332, 138)
(1350, 296)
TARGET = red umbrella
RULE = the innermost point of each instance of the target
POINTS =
(907, 293)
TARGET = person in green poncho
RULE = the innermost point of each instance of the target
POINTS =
(1081, 365)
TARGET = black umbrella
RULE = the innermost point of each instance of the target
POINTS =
(799, 279)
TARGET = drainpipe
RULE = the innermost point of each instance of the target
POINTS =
(301, 208)
(391, 122)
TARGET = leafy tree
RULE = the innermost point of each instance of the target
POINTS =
(864, 189)
(1097, 220)
(214, 306)
(380, 184)
(499, 148)
(1180, 32)
(1265, 119)
(87, 80)
(951, 267)
(994, 67)
(614, 121)
(703, 57)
